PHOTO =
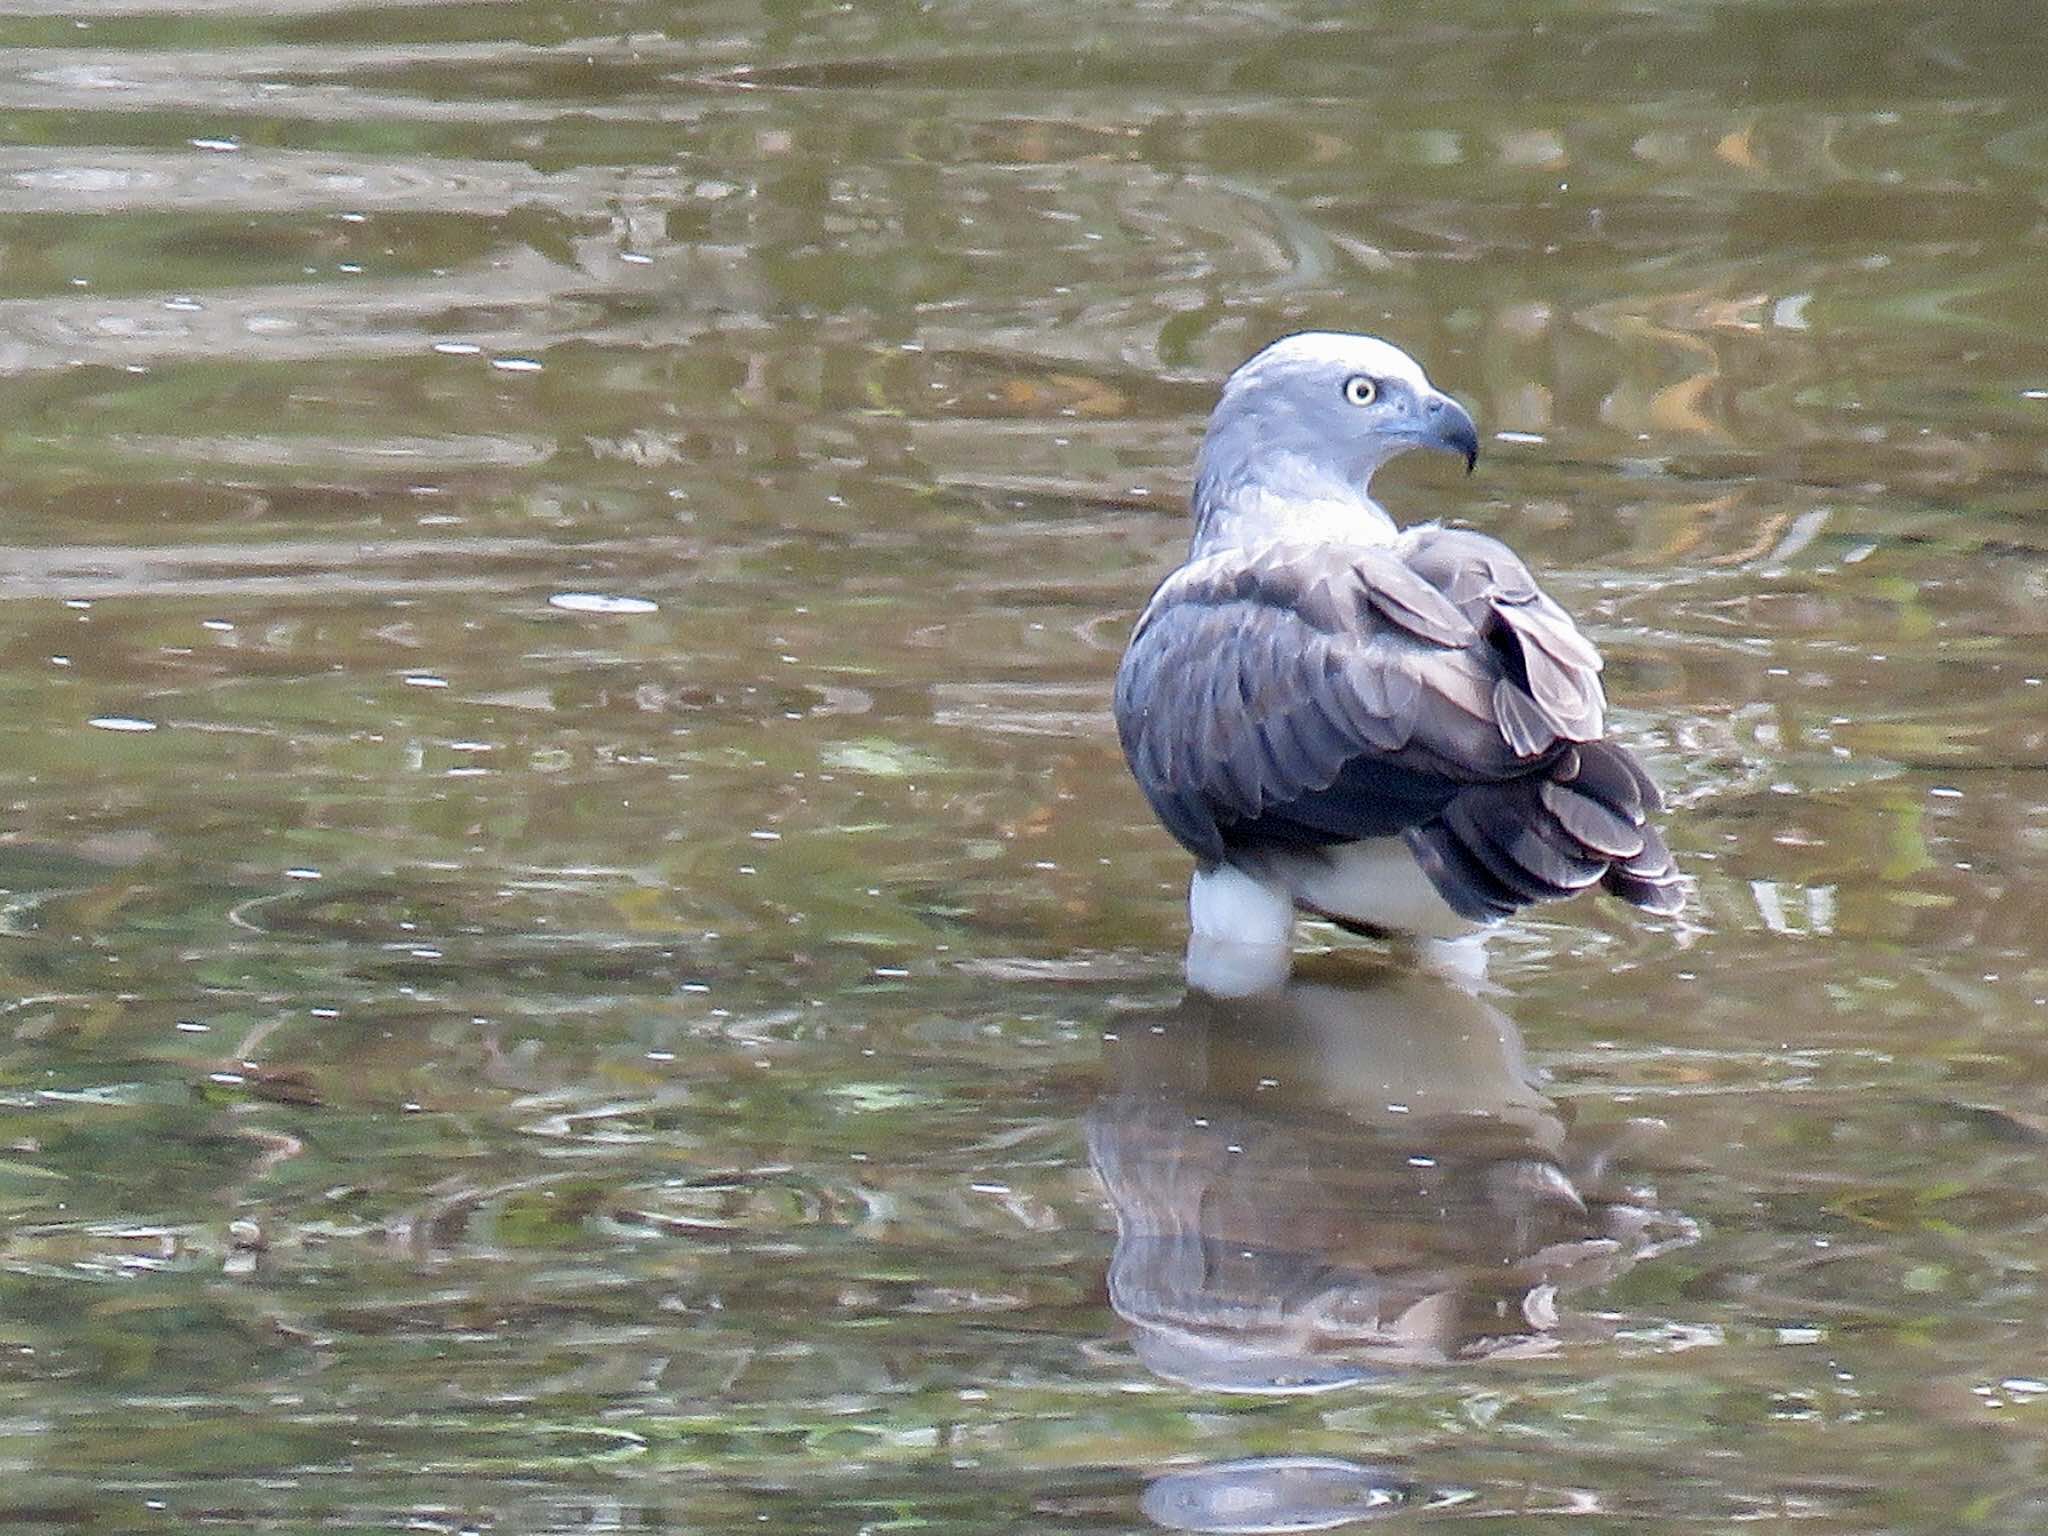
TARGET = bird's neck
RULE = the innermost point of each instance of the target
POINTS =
(1291, 498)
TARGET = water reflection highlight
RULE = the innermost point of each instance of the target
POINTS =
(1346, 1176)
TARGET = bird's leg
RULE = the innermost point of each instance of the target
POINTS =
(1229, 968)
(1228, 903)
(1462, 961)
(1240, 932)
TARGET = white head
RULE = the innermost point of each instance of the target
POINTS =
(1294, 441)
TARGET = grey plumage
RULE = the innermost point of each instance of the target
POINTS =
(1313, 677)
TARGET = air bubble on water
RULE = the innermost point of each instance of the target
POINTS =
(601, 602)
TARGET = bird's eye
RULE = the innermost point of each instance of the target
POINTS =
(1359, 390)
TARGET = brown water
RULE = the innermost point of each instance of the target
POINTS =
(477, 1062)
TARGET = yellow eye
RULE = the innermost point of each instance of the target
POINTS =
(1360, 390)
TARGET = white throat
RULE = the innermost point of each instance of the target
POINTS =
(1291, 501)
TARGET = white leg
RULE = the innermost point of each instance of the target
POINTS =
(1224, 968)
(1461, 961)
(1241, 933)
(1230, 905)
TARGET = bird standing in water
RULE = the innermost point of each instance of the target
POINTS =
(1394, 729)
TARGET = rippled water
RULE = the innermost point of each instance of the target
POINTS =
(578, 951)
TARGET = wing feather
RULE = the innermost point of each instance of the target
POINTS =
(1402, 597)
(1376, 700)
(1296, 694)
(1524, 722)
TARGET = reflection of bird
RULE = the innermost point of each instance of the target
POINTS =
(1270, 1494)
(1396, 730)
(1330, 1179)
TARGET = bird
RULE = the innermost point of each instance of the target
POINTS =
(1394, 729)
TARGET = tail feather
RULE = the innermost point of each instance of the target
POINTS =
(1499, 847)
(1610, 774)
(1650, 880)
(1464, 881)
(1501, 830)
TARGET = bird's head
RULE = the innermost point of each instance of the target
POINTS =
(1310, 418)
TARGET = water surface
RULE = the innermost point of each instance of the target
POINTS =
(578, 950)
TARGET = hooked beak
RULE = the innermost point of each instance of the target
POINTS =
(1447, 426)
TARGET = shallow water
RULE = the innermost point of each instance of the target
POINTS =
(578, 950)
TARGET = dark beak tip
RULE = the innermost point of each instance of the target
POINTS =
(1453, 430)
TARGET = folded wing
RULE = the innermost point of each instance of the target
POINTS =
(1298, 696)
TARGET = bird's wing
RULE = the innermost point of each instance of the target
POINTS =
(1543, 659)
(1302, 695)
